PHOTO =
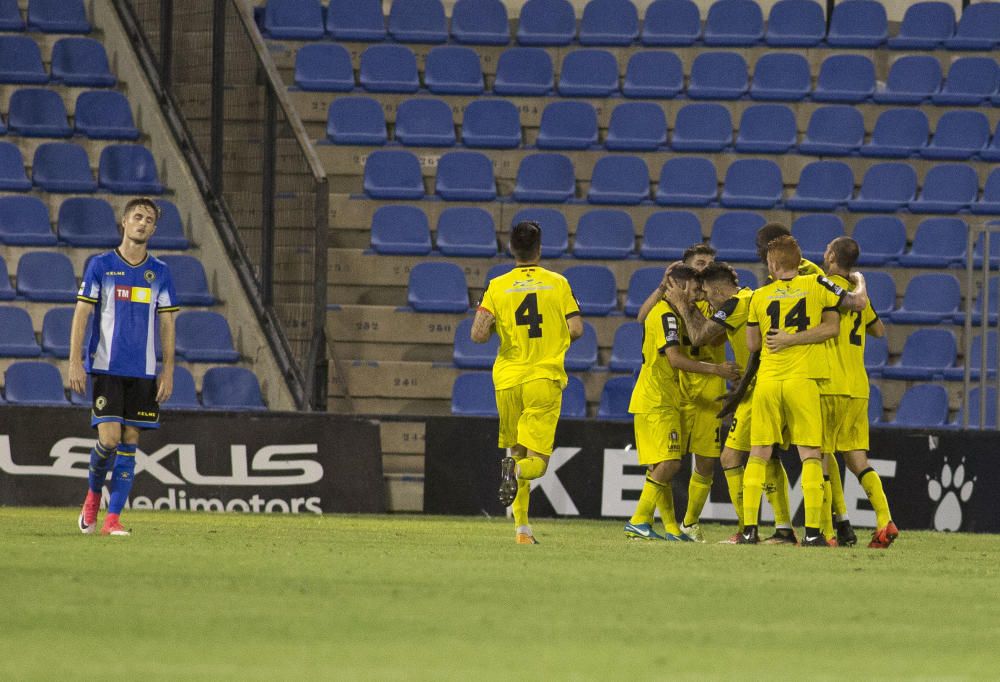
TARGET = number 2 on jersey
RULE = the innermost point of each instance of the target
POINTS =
(527, 315)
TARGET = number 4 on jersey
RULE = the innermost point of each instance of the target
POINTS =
(527, 315)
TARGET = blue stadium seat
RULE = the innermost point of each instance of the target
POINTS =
(87, 222)
(752, 183)
(21, 61)
(184, 396)
(524, 71)
(574, 397)
(994, 252)
(24, 221)
(874, 405)
(993, 288)
(46, 276)
(926, 354)
(36, 112)
(468, 354)
(466, 231)
(912, 79)
(57, 16)
(671, 23)
(615, 397)
(947, 189)
(876, 355)
(991, 152)
(975, 360)
(12, 177)
(567, 125)
(56, 327)
(734, 236)
(17, 336)
(588, 73)
(169, 228)
(970, 81)
(886, 187)
(641, 284)
(231, 388)
(401, 230)
(989, 203)
(546, 22)
(926, 25)
(7, 292)
(355, 120)
(555, 231)
(653, 74)
(34, 383)
(204, 336)
(958, 135)
(81, 62)
(418, 21)
(814, 232)
(668, 234)
(438, 288)
(62, 167)
(746, 278)
(845, 78)
(636, 126)
(473, 395)
(104, 115)
(860, 23)
(687, 181)
(10, 16)
(990, 422)
(718, 75)
(702, 127)
(465, 176)
(545, 177)
(734, 23)
(491, 124)
(619, 180)
(293, 19)
(128, 169)
(882, 239)
(360, 20)
(766, 129)
(626, 349)
(389, 68)
(833, 131)
(881, 292)
(823, 186)
(324, 67)
(452, 70)
(978, 29)
(922, 406)
(497, 270)
(604, 233)
(609, 22)
(424, 123)
(795, 23)
(480, 22)
(594, 287)
(782, 76)
(190, 281)
(392, 174)
(932, 298)
(898, 133)
(582, 353)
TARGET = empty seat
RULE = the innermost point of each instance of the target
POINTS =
(356, 120)
(845, 78)
(17, 336)
(81, 62)
(34, 383)
(356, 20)
(190, 281)
(929, 299)
(231, 388)
(594, 287)
(834, 131)
(104, 115)
(574, 397)
(947, 189)
(35, 112)
(389, 68)
(636, 126)
(975, 360)
(21, 61)
(766, 128)
(886, 187)
(555, 231)
(993, 291)
(425, 123)
(702, 127)
(882, 239)
(588, 73)
(62, 167)
(453, 71)
(12, 176)
(491, 123)
(438, 288)
(46, 276)
(391, 174)
(128, 169)
(734, 236)
(876, 355)
(293, 19)
(990, 421)
(687, 181)
(922, 406)
(465, 176)
(582, 353)
(545, 177)
(823, 186)
(56, 328)
(668, 234)
(860, 23)
(958, 135)
(671, 23)
(546, 22)
(10, 16)
(473, 395)
(619, 180)
(604, 234)
(815, 232)
(874, 405)
(57, 16)
(795, 23)
(991, 152)
(401, 230)
(989, 203)
(169, 228)
(971, 80)
(881, 292)
(898, 133)
(567, 125)
(324, 67)
(734, 23)
(926, 25)
(418, 21)
(626, 349)
(653, 74)
(184, 395)
(615, 397)
(466, 231)
(7, 292)
(88, 222)
(468, 354)
(994, 252)
(718, 75)
(781, 76)
(641, 284)
(752, 183)
(609, 22)
(912, 80)
(938, 243)
(204, 336)
(480, 22)
(24, 221)
(978, 29)
(524, 71)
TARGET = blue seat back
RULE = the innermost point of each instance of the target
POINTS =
(567, 125)
(466, 231)
(845, 78)
(546, 22)
(56, 327)
(231, 388)
(653, 74)
(752, 183)
(615, 397)
(604, 233)
(795, 23)
(815, 232)
(480, 22)
(324, 67)
(687, 181)
(555, 231)
(734, 235)
(393, 175)
(473, 395)
(355, 120)
(932, 349)
(912, 78)
(703, 126)
(574, 398)
(582, 353)
(718, 75)
(933, 293)
(491, 123)
(17, 336)
(169, 228)
(964, 133)
(424, 123)
(922, 406)
(594, 287)
(896, 182)
(355, 20)
(781, 76)
(545, 177)
(641, 284)
(524, 71)
(293, 19)
(389, 68)
(861, 23)
(671, 23)
(62, 167)
(588, 73)
(619, 180)
(24, 221)
(12, 175)
(834, 130)
(190, 282)
(81, 62)
(766, 128)
(881, 292)
(418, 21)
(830, 180)
(899, 132)
(37, 112)
(204, 336)
(465, 176)
(184, 396)
(735, 23)
(925, 25)
(88, 221)
(636, 126)
(438, 288)
(46, 276)
(400, 230)
(34, 383)
(21, 61)
(453, 70)
(468, 354)
(881, 239)
(104, 114)
(609, 22)
(128, 169)
(667, 234)
(626, 349)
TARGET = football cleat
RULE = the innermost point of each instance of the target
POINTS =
(832, 542)
(693, 533)
(883, 537)
(525, 539)
(749, 536)
(782, 536)
(733, 539)
(814, 541)
(87, 523)
(641, 531)
(845, 534)
(508, 481)
(670, 537)
(113, 527)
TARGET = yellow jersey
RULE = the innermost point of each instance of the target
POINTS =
(531, 306)
(694, 384)
(657, 388)
(846, 351)
(732, 315)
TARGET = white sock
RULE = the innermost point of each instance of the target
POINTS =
(524, 530)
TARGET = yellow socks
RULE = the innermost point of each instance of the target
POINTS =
(698, 491)
(812, 492)
(753, 484)
(872, 484)
(519, 507)
(648, 501)
(826, 518)
(776, 487)
(734, 479)
(665, 503)
(837, 488)
(531, 467)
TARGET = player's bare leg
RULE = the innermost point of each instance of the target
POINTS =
(886, 532)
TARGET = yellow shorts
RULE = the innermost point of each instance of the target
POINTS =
(529, 414)
(786, 403)
(845, 423)
(739, 431)
(657, 436)
(701, 427)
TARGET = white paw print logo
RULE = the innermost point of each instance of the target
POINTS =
(949, 493)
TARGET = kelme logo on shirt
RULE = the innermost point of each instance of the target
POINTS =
(133, 294)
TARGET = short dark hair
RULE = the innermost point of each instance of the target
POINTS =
(681, 272)
(846, 250)
(718, 272)
(766, 235)
(141, 201)
(526, 240)
(698, 250)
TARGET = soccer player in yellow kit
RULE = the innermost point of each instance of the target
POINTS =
(536, 317)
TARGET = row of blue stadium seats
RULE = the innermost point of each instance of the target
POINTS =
(528, 71)
(642, 126)
(223, 388)
(99, 115)
(47, 16)
(65, 167)
(80, 62)
(792, 23)
(690, 181)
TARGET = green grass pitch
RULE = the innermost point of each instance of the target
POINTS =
(203, 596)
